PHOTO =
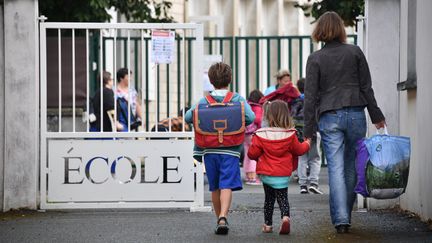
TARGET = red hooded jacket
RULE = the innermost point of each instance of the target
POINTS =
(276, 151)
(287, 93)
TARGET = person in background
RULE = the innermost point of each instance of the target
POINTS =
(311, 161)
(282, 77)
(286, 92)
(276, 148)
(176, 124)
(126, 94)
(249, 166)
(338, 87)
(108, 104)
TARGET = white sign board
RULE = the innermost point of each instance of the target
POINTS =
(120, 170)
(162, 46)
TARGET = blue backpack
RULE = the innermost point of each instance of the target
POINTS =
(219, 124)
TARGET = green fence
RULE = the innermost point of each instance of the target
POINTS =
(254, 60)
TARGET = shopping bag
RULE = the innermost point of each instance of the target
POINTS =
(383, 170)
(362, 158)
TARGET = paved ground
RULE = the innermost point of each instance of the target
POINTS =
(310, 223)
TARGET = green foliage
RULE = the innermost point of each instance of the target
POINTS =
(150, 11)
(347, 9)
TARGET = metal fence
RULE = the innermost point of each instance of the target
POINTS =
(84, 169)
(254, 59)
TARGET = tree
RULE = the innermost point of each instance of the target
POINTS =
(347, 9)
(150, 11)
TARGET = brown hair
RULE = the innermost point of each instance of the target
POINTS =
(255, 96)
(106, 77)
(329, 27)
(282, 73)
(277, 114)
(220, 75)
(301, 84)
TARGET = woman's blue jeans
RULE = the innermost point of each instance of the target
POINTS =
(340, 130)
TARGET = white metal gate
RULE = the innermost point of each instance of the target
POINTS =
(84, 169)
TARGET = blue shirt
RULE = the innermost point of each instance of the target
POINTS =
(270, 90)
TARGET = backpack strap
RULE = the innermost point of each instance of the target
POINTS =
(228, 97)
(210, 99)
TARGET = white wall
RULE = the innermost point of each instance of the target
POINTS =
(416, 112)
(21, 105)
(408, 112)
(382, 43)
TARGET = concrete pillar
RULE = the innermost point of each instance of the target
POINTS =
(2, 96)
(259, 14)
(21, 104)
(382, 44)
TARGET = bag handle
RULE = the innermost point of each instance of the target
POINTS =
(385, 132)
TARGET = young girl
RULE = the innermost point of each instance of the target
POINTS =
(249, 165)
(276, 148)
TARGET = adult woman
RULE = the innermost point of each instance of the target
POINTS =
(338, 88)
(126, 94)
(283, 77)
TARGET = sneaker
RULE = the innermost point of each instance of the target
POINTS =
(315, 189)
(256, 183)
(267, 228)
(250, 182)
(285, 227)
(303, 189)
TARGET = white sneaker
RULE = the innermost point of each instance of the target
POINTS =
(315, 189)
(303, 189)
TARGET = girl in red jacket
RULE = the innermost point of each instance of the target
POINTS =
(276, 149)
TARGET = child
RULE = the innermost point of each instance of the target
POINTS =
(249, 165)
(222, 164)
(276, 148)
(311, 160)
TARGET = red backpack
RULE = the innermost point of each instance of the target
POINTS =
(219, 124)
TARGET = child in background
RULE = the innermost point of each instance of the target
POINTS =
(222, 164)
(249, 166)
(276, 149)
(311, 160)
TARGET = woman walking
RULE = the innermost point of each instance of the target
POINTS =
(338, 88)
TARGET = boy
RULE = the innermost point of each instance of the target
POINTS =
(312, 158)
(222, 164)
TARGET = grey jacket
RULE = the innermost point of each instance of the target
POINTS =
(337, 76)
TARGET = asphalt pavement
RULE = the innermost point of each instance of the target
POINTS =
(309, 216)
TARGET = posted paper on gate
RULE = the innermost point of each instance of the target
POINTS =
(162, 46)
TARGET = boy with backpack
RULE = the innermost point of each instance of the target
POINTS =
(221, 152)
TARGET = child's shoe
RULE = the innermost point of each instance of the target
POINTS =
(315, 189)
(303, 189)
(222, 228)
(255, 182)
(285, 227)
(267, 228)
